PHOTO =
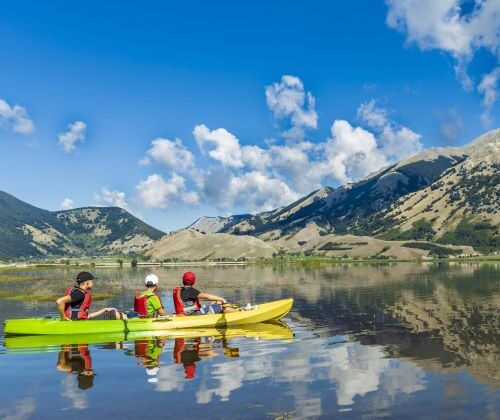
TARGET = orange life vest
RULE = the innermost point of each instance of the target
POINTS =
(83, 309)
(180, 306)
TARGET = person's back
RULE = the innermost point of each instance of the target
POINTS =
(148, 303)
(187, 299)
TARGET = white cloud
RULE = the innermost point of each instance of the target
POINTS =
(259, 192)
(254, 190)
(15, 118)
(225, 146)
(170, 153)
(489, 88)
(67, 204)
(373, 116)
(76, 132)
(112, 198)
(396, 141)
(156, 192)
(288, 100)
(447, 26)
(351, 153)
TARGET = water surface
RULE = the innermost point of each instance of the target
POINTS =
(396, 340)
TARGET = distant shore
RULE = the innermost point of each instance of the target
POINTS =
(295, 260)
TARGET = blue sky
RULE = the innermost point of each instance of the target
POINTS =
(252, 104)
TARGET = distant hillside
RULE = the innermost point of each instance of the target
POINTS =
(442, 195)
(190, 244)
(27, 231)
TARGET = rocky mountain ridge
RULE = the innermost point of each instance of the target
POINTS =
(441, 195)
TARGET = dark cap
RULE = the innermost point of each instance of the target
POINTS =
(84, 276)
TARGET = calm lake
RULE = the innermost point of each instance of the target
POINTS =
(400, 340)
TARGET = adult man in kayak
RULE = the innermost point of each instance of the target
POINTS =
(75, 304)
(187, 299)
(148, 303)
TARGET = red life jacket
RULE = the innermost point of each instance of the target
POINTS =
(140, 304)
(180, 305)
(83, 309)
(83, 349)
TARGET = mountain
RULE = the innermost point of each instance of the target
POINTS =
(189, 244)
(27, 231)
(441, 195)
(215, 224)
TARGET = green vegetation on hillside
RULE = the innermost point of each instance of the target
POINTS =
(435, 250)
(421, 230)
(482, 236)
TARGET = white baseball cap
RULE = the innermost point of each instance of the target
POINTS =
(152, 371)
(151, 280)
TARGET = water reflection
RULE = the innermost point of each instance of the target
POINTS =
(366, 340)
(76, 360)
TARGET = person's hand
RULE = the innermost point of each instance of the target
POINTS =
(223, 301)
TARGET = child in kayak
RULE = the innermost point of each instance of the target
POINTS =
(148, 303)
(75, 304)
(187, 299)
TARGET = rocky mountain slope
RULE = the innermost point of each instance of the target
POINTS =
(444, 195)
(27, 231)
(216, 224)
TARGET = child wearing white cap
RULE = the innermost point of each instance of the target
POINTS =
(148, 303)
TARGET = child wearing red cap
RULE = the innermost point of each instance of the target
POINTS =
(191, 297)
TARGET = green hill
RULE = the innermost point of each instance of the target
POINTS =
(27, 231)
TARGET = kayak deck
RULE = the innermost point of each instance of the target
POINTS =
(42, 326)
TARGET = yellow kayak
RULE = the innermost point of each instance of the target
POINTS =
(43, 326)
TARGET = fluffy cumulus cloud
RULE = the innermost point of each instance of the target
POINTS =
(456, 27)
(288, 100)
(259, 178)
(15, 118)
(112, 198)
(75, 133)
(396, 141)
(170, 153)
(158, 192)
(490, 89)
(252, 190)
(221, 144)
(67, 204)
(351, 153)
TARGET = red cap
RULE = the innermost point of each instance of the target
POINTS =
(189, 370)
(189, 278)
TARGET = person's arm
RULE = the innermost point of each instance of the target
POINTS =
(206, 296)
(97, 313)
(61, 303)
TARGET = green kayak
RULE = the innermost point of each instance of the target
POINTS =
(42, 326)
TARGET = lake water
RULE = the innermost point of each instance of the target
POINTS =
(398, 340)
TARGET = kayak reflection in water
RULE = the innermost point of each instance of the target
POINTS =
(75, 359)
(75, 304)
(148, 352)
(189, 351)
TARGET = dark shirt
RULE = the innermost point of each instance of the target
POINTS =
(189, 295)
(77, 298)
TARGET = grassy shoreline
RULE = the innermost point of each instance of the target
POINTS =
(289, 260)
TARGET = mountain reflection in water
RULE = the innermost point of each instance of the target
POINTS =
(407, 340)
